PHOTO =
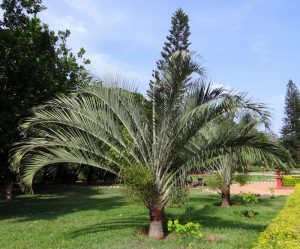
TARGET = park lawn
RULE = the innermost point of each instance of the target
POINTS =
(98, 217)
(261, 178)
(251, 178)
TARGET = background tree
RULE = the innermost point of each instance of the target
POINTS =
(35, 65)
(251, 148)
(177, 40)
(291, 123)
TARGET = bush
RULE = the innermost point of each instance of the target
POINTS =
(283, 232)
(290, 180)
(190, 229)
(249, 200)
(139, 183)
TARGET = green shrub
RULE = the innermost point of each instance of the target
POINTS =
(190, 229)
(139, 183)
(291, 180)
(249, 200)
(284, 231)
(250, 213)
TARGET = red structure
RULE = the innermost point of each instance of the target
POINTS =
(278, 178)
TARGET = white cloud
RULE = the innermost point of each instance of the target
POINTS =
(217, 85)
(103, 65)
(103, 17)
(70, 23)
(113, 21)
(58, 22)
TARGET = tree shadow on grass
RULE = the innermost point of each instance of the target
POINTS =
(138, 223)
(209, 217)
(58, 201)
(203, 199)
(267, 201)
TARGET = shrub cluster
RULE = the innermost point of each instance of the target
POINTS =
(190, 229)
(284, 231)
(291, 180)
(139, 183)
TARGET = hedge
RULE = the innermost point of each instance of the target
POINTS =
(290, 180)
(284, 230)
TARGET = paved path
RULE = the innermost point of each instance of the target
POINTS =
(263, 188)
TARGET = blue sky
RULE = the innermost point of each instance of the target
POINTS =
(250, 46)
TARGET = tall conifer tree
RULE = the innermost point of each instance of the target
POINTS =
(177, 41)
(291, 127)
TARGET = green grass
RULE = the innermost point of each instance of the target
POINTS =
(85, 217)
(261, 178)
(254, 178)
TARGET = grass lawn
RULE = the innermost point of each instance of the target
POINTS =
(90, 218)
(253, 178)
(261, 178)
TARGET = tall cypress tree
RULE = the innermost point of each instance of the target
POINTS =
(291, 128)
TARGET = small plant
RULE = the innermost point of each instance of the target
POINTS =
(188, 230)
(272, 190)
(249, 213)
(249, 200)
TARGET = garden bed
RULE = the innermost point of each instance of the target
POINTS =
(284, 231)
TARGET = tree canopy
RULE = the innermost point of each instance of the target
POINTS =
(291, 121)
(35, 66)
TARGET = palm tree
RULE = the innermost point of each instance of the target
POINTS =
(247, 146)
(102, 126)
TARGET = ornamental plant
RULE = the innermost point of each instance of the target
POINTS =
(283, 231)
(190, 229)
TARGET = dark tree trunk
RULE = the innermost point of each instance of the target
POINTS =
(225, 197)
(156, 223)
(8, 191)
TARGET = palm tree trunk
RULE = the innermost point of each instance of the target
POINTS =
(8, 191)
(156, 223)
(225, 197)
(226, 177)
